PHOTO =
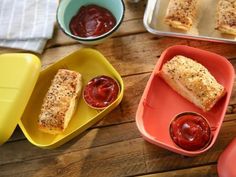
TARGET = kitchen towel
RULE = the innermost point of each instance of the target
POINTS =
(27, 24)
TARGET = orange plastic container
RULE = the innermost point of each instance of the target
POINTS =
(226, 162)
(159, 103)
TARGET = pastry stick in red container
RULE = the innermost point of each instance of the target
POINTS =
(193, 81)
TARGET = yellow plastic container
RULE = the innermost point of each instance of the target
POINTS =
(18, 75)
(90, 63)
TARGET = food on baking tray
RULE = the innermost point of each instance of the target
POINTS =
(226, 16)
(101, 91)
(60, 101)
(193, 81)
(190, 131)
(181, 13)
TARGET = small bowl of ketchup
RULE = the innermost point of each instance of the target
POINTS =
(100, 92)
(190, 131)
(90, 21)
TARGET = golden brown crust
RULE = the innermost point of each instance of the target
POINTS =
(193, 81)
(64, 89)
(226, 16)
(181, 13)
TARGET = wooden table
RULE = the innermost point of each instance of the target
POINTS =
(114, 146)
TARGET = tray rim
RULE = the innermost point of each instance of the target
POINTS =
(151, 4)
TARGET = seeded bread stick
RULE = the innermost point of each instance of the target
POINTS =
(60, 101)
(181, 13)
(193, 81)
(226, 16)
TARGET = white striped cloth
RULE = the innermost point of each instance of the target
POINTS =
(27, 24)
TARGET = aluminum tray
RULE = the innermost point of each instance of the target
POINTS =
(202, 29)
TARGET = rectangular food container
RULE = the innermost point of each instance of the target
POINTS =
(160, 103)
(203, 28)
(23, 87)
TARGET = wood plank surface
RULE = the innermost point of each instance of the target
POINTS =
(140, 55)
(202, 171)
(102, 153)
(114, 146)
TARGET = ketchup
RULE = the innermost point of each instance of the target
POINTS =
(190, 132)
(101, 91)
(92, 20)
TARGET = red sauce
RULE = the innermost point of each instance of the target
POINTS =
(92, 20)
(101, 91)
(191, 132)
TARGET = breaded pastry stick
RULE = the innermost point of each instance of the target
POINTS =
(193, 81)
(181, 13)
(60, 101)
(226, 16)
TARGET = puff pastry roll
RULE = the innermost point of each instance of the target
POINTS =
(181, 13)
(60, 101)
(193, 81)
(226, 16)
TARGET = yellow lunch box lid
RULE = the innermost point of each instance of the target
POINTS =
(18, 76)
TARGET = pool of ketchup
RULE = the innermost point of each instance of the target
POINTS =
(101, 91)
(91, 21)
(190, 132)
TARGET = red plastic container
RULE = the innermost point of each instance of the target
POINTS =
(226, 162)
(159, 103)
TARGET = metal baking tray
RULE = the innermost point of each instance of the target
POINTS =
(202, 29)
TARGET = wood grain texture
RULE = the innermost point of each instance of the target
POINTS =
(105, 155)
(203, 171)
(114, 146)
(139, 56)
(91, 138)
